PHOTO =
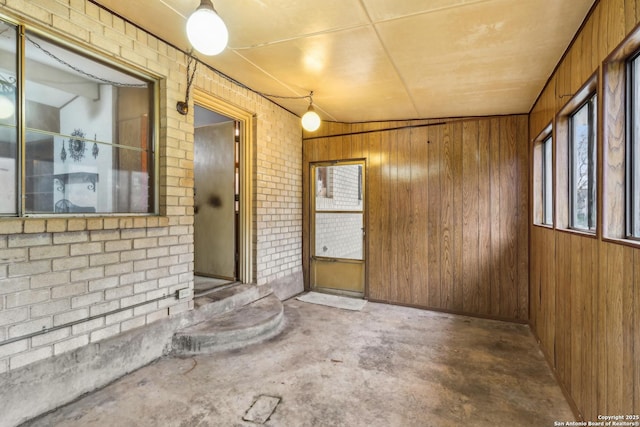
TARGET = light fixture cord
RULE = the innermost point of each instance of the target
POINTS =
(80, 71)
(190, 75)
(268, 95)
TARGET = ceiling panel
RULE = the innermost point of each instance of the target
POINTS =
(481, 48)
(381, 59)
(324, 63)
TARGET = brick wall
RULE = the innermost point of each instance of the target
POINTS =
(56, 271)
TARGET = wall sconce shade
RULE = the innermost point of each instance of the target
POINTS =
(7, 97)
(206, 31)
(7, 107)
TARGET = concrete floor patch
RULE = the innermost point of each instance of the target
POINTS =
(262, 409)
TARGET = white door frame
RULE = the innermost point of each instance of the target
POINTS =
(245, 226)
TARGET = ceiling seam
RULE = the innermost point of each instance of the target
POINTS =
(303, 36)
(265, 72)
(427, 12)
(393, 64)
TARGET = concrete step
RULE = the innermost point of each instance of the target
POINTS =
(227, 298)
(238, 328)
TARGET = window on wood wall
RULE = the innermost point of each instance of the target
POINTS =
(633, 150)
(543, 178)
(582, 166)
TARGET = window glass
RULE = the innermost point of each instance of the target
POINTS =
(547, 181)
(633, 203)
(8, 120)
(88, 134)
(582, 168)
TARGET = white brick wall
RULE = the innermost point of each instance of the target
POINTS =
(54, 271)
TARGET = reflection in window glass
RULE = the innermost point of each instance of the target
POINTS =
(633, 197)
(8, 120)
(88, 133)
(582, 149)
(339, 188)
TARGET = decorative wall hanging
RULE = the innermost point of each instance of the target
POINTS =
(63, 153)
(77, 146)
(95, 150)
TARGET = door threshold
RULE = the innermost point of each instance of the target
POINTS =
(203, 285)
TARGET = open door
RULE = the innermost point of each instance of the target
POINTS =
(337, 228)
(215, 201)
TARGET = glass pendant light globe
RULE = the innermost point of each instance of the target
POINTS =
(7, 108)
(206, 31)
(311, 120)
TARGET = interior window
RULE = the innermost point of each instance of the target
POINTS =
(88, 140)
(8, 120)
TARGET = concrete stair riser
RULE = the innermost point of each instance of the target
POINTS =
(242, 326)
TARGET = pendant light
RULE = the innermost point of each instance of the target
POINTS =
(206, 31)
(311, 120)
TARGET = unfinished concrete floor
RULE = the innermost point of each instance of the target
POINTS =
(383, 366)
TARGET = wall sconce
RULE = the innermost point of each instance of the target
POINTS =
(206, 31)
(311, 120)
(7, 97)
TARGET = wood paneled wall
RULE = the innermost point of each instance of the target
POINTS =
(585, 290)
(447, 211)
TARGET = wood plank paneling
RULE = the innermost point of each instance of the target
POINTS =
(403, 219)
(375, 213)
(434, 224)
(439, 232)
(456, 205)
(599, 364)
(484, 211)
(470, 218)
(419, 232)
(497, 250)
(446, 219)
(522, 159)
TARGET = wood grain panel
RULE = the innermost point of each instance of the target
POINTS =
(375, 210)
(508, 228)
(495, 178)
(403, 218)
(470, 218)
(602, 327)
(456, 206)
(434, 223)
(393, 229)
(484, 217)
(574, 310)
(629, 361)
(419, 231)
(562, 325)
(613, 319)
(446, 219)
(523, 218)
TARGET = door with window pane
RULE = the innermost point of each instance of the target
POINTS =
(337, 227)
